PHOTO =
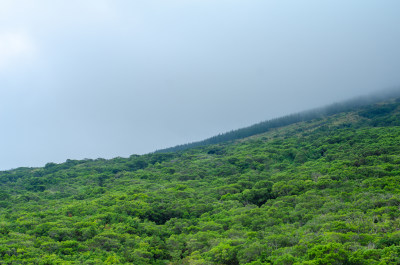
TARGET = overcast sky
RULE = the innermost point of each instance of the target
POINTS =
(106, 78)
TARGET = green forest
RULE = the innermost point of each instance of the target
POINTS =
(324, 189)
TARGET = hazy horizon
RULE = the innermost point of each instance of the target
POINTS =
(374, 93)
(90, 79)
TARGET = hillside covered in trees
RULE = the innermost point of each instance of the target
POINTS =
(265, 126)
(325, 190)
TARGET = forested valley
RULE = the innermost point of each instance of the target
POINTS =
(321, 190)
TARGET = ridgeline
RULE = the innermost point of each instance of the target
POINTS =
(319, 187)
(309, 115)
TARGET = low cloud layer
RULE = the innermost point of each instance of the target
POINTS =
(113, 78)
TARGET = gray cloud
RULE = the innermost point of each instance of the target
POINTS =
(113, 78)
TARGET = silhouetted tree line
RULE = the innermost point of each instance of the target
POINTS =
(262, 127)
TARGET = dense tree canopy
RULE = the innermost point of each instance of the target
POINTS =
(322, 191)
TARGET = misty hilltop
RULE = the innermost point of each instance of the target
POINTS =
(108, 78)
(322, 190)
(199, 132)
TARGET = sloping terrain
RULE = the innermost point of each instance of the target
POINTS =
(324, 191)
(304, 116)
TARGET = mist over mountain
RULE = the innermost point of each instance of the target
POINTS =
(308, 115)
(320, 191)
(200, 132)
(101, 78)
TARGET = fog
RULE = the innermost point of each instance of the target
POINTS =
(98, 78)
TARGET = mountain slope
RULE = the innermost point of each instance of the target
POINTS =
(265, 126)
(325, 191)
